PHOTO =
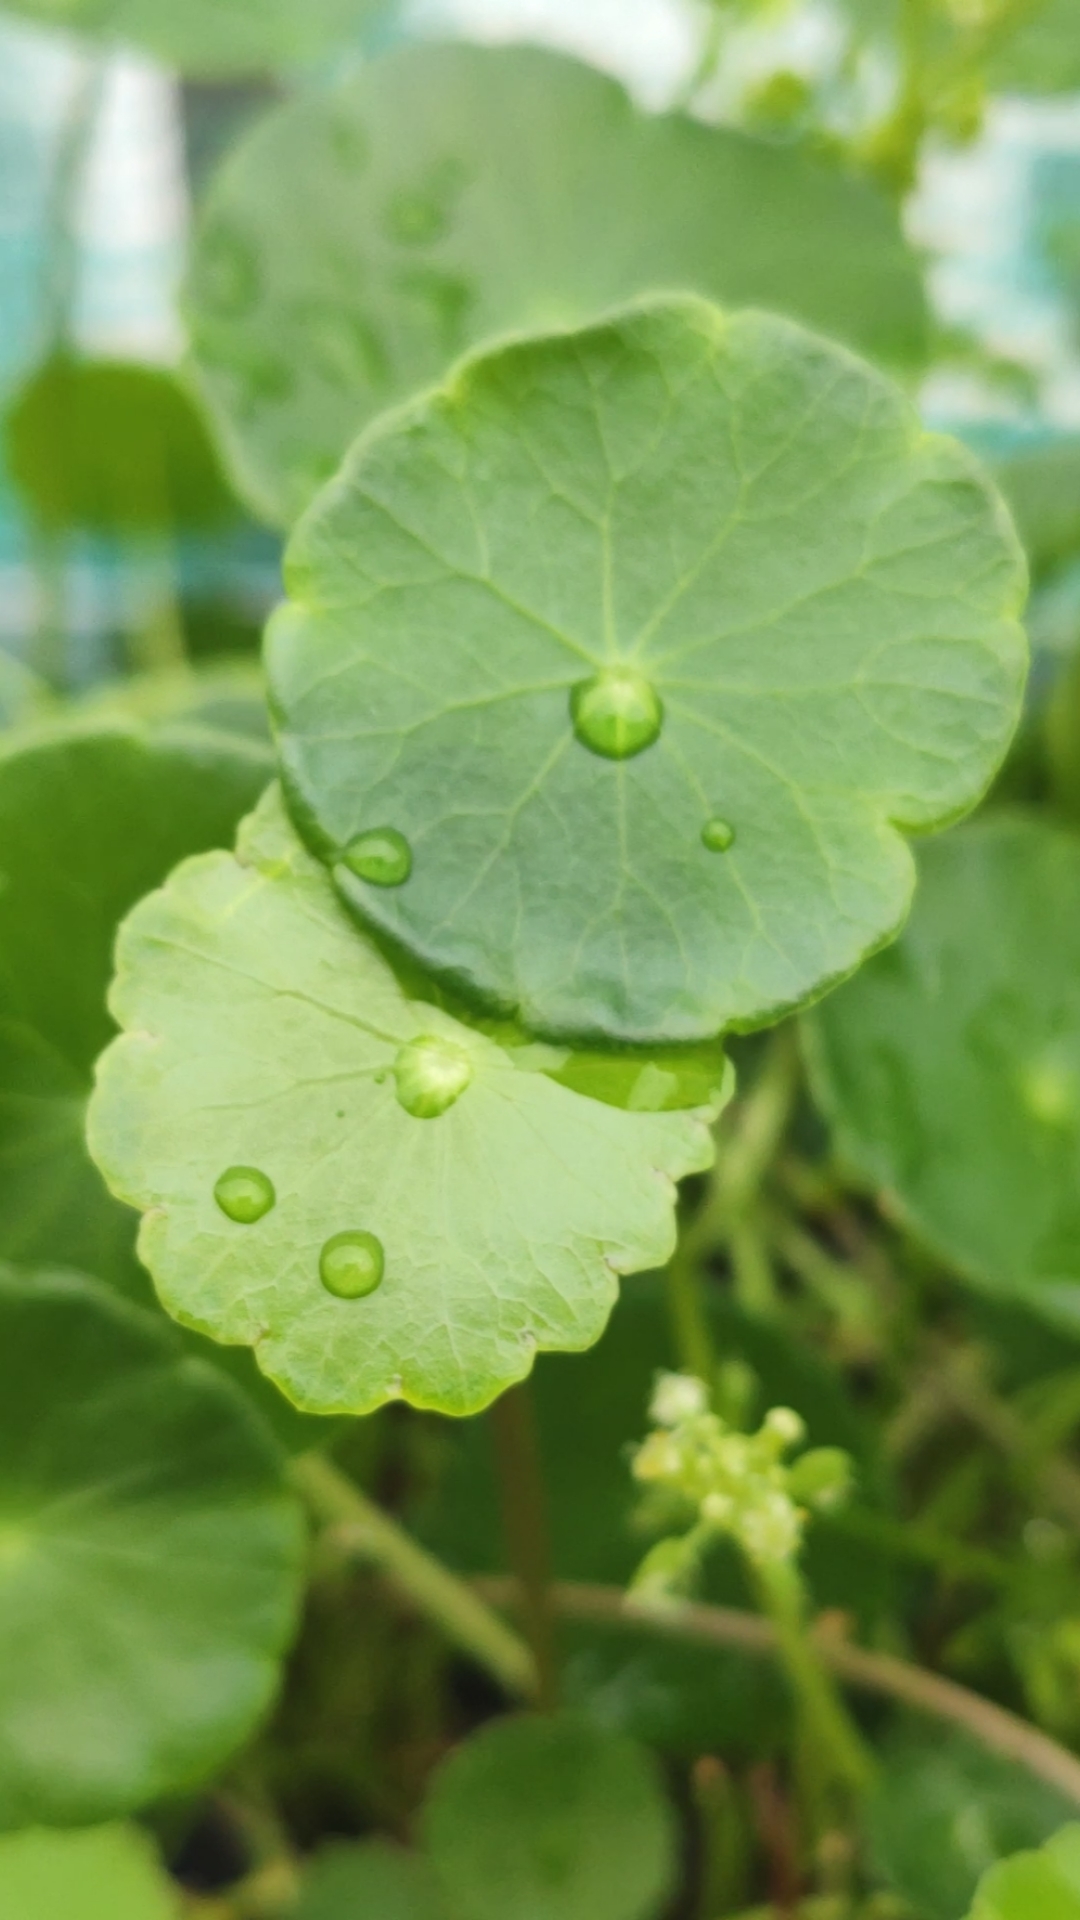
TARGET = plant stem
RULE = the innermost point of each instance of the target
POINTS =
(916, 1687)
(836, 1748)
(525, 1528)
(362, 1529)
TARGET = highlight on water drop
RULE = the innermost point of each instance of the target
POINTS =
(244, 1194)
(382, 856)
(617, 713)
(718, 834)
(351, 1265)
(430, 1074)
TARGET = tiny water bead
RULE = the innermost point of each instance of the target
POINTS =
(244, 1194)
(717, 834)
(351, 1265)
(382, 855)
(617, 713)
(430, 1074)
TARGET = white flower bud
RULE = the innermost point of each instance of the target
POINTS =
(677, 1397)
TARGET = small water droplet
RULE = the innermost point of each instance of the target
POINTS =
(382, 855)
(351, 1265)
(617, 713)
(717, 834)
(227, 277)
(244, 1194)
(431, 1073)
(415, 219)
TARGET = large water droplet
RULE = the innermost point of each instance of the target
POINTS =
(415, 219)
(382, 855)
(1049, 1092)
(717, 834)
(617, 714)
(431, 1073)
(351, 1265)
(244, 1194)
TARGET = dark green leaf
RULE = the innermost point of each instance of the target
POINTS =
(362, 239)
(373, 1880)
(950, 1067)
(550, 1819)
(725, 521)
(439, 1211)
(149, 1558)
(91, 817)
(115, 448)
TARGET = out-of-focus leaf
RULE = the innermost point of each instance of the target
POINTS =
(114, 448)
(728, 528)
(104, 1873)
(360, 240)
(372, 1880)
(1034, 1886)
(149, 1558)
(944, 1810)
(92, 816)
(550, 1818)
(1042, 55)
(22, 695)
(950, 1066)
(1042, 488)
(222, 696)
(211, 38)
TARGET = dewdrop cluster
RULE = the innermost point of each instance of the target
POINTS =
(739, 1484)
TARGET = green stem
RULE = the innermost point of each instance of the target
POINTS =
(361, 1528)
(836, 1745)
(525, 1528)
(687, 1312)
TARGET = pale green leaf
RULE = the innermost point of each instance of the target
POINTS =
(104, 1873)
(1034, 1886)
(91, 817)
(210, 37)
(822, 599)
(361, 239)
(1042, 53)
(264, 1031)
(149, 1558)
(550, 1818)
(373, 1880)
(950, 1067)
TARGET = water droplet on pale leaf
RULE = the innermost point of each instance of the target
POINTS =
(351, 1265)
(244, 1194)
(717, 834)
(617, 713)
(431, 1074)
(382, 855)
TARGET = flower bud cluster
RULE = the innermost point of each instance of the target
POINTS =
(739, 1483)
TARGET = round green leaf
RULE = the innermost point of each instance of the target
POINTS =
(821, 598)
(361, 239)
(91, 817)
(104, 1873)
(550, 1818)
(374, 1878)
(210, 37)
(264, 1032)
(950, 1066)
(149, 1558)
(115, 447)
(1034, 1886)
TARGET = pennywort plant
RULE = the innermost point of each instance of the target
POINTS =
(635, 636)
